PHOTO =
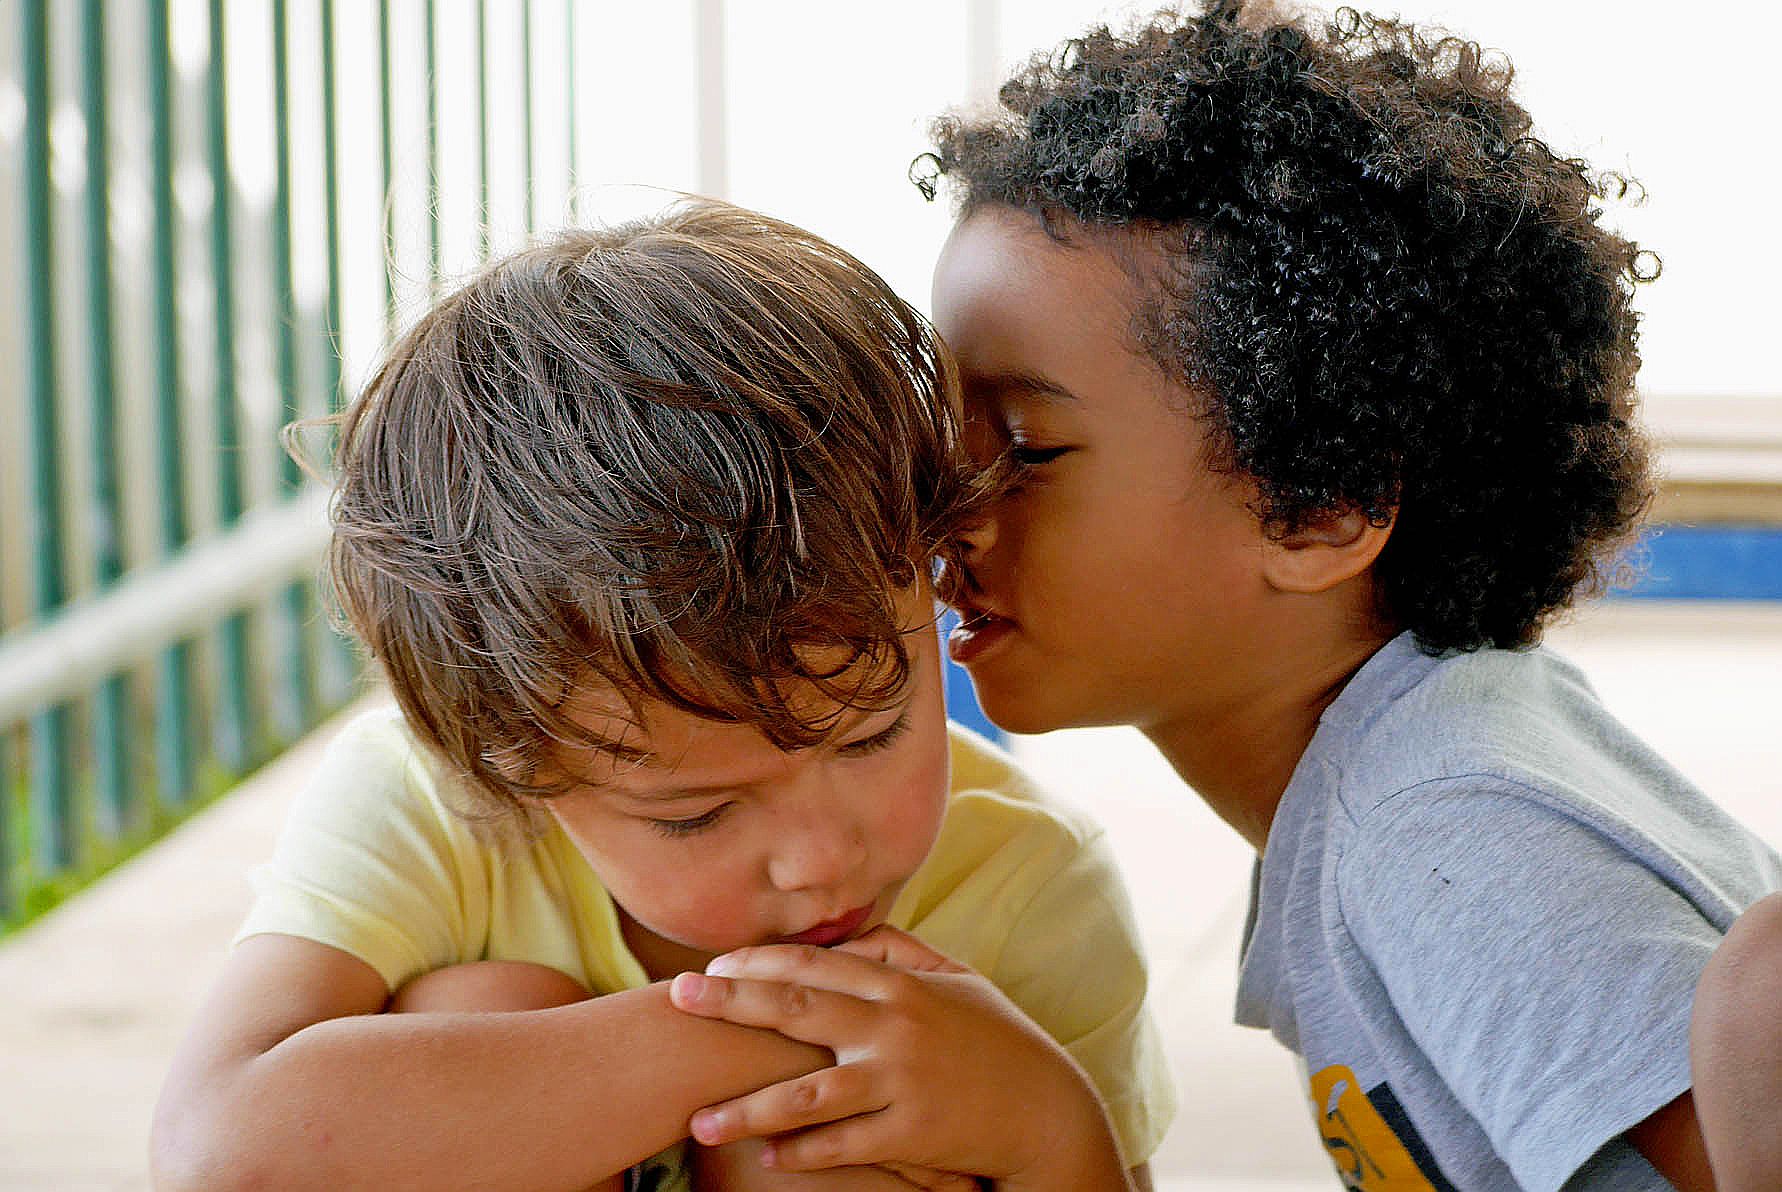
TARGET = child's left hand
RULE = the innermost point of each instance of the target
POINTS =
(932, 1061)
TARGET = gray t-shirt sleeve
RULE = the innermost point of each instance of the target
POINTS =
(1546, 972)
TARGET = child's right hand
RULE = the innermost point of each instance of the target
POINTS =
(931, 1062)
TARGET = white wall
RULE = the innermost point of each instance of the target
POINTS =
(828, 102)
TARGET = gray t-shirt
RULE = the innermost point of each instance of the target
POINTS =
(1480, 920)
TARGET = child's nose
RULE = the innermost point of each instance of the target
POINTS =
(819, 846)
(976, 540)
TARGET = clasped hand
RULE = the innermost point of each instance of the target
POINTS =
(935, 1069)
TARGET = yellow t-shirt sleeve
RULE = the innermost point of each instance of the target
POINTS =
(1072, 960)
(370, 862)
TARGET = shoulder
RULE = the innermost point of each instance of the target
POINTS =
(376, 789)
(1005, 842)
(1491, 684)
(375, 747)
(1512, 755)
(376, 761)
(1489, 776)
(1525, 718)
(370, 859)
(378, 730)
(996, 807)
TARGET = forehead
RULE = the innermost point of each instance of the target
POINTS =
(1029, 317)
(1001, 273)
(643, 739)
(646, 741)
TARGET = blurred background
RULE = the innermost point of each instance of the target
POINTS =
(215, 214)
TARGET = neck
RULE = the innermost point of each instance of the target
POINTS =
(1241, 759)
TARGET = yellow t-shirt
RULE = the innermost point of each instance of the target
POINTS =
(373, 861)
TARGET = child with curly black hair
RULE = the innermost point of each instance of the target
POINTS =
(1313, 371)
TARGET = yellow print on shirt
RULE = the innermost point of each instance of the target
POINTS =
(1367, 1154)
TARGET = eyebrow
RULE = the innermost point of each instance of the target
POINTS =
(621, 752)
(1033, 385)
(676, 793)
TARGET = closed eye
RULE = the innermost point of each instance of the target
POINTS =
(883, 739)
(690, 826)
(1032, 457)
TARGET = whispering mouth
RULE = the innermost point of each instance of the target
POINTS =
(973, 619)
(978, 630)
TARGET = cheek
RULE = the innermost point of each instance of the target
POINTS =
(700, 903)
(658, 883)
(1060, 558)
(1110, 533)
(909, 816)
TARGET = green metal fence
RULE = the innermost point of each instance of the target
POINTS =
(180, 286)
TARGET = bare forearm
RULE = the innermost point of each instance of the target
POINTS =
(737, 1167)
(545, 1099)
(1096, 1169)
(1083, 1155)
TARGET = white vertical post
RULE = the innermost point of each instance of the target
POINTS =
(712, 131)
(983, 51)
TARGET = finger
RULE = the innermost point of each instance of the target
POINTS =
(932, 1179)
(812, 1100)
(888, 945)
(817, 968)
(809, 1015)
(851, 1142)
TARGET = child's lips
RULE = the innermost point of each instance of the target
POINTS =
(977, 631)
(833, 931)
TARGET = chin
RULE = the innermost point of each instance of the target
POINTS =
(1019, 716)
(1028, 717)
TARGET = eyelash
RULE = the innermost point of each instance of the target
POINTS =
(1026, 456)
(689, 827)
(699, 823)
(878, 741)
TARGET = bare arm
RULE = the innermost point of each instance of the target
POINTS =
(512, 986)
(1671, 1140)
(737, 1168)
(931, 1061)
(290, 1078)
(1735, 1045)
(1736, 1057)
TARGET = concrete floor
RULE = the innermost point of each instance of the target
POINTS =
(97, 993)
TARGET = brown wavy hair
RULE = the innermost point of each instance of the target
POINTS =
(694, 458)
(1384, 294)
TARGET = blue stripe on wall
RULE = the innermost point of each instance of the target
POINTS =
(1707, 563)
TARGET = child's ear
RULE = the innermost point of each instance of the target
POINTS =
(1324, 552)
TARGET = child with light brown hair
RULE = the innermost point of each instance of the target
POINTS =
(640, 526)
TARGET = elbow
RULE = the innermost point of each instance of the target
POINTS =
(180, 1158)
(192, 1149)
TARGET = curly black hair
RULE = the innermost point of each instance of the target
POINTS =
(1385, 294)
